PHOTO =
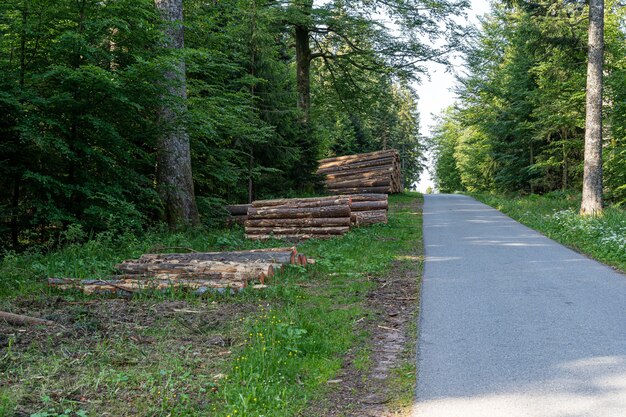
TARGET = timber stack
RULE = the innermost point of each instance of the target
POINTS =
(367, 209)
(374, 172)
(195, 271)
(299, 218)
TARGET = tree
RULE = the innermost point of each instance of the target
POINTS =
(174, 172)
(592, 180)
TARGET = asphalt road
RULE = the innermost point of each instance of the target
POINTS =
(513, 324)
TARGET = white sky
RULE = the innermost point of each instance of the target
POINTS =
(435, 94)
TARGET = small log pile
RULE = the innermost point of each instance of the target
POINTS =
(369, 209)
(373, 172)
(299, 218)
(232, 270)
(238, 213)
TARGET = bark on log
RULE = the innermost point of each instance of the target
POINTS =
(132, 286)
(278, 257)
(299, 213)
(359, 190)
(338, 230)
(386, 161)
(289, 237)
(238, 209)
(364, 218)
(19, 319)
(302, 202)
(369, 205)
(360, 183)
(195, 267)
(349, 159)
(361, 173)
(319, 222)
(369, 197)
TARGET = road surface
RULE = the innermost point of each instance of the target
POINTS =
(513, 324)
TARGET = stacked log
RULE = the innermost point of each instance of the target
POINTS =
(373, 172)
(233, 270)
(369, 209)
(237, 213)
(299, 218)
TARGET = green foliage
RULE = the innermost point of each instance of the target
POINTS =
(519, 123)
(284, 342)
(79, 98)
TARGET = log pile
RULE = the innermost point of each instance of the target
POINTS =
(299, 218)
(368, 209)
(374, 172)
(238, 213)
(195, 271)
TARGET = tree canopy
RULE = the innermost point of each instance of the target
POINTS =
(519, 121)
(82, 85)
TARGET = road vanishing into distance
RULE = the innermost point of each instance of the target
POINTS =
(513, 324)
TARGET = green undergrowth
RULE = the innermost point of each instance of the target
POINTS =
(262, 352)
(556, 216)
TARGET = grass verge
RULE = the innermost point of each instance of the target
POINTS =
(556, 216)
(259, 353)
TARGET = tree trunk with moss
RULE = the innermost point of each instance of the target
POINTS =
(174, 173)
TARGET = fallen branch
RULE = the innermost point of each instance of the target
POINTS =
(20, 319)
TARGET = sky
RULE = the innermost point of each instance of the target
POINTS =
(435, 94)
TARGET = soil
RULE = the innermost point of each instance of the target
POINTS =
(392, 326)
(109, 318)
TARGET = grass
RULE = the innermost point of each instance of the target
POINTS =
(556, 216)
(259, 353)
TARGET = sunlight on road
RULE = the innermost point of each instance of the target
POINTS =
(592, 387)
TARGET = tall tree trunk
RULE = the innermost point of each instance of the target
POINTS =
(303, 68)
(173, 152)
(592, 180)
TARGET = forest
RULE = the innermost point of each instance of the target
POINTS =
(93, 95)
(518, 125)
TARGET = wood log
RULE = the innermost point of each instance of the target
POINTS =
(20, 319)
(278, 257)
(132, 286)
(298, 202)
(316, 222)
(386, 161)
(359, 177)
(360, 183)
(348, 159)
(195, 267)
(369, 205)
(364, 218)
(298, 213)
(362, 190)
(336, 230)
(289, 237)
(368, 197)
(358, 155)
(368, 172)
(237, 209)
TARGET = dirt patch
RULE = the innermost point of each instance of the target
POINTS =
(114, 337)
(373, 390)
(100, 318)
